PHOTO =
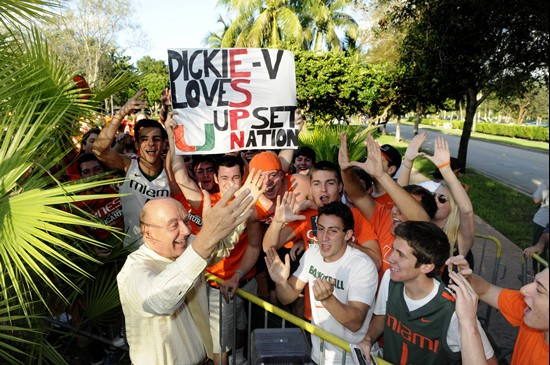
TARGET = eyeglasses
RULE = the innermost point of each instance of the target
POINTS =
(442, 199)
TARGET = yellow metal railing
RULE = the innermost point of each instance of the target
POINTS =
(306, 326)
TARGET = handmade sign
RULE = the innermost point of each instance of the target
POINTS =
(233, 99)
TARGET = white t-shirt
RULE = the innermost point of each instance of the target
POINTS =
(141, 190)
(453, 334)
(356, 280)
(541, 216)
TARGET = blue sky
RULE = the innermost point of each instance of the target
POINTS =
(174, 24)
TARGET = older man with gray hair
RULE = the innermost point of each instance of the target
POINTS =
(161, 285)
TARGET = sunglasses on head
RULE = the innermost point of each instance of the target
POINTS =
(441, 198)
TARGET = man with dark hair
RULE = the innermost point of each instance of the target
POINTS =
(203, 167)
(145, 175)
(304, 158)
(415, 311)
(88, 140)
(107, 210)
(391, 162)
(342, 280)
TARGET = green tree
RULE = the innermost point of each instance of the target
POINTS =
(262, 23)
(85, 36)
(334, 86)
(469, 50)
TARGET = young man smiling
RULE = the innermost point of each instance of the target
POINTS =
(145, 175)
(414, 311)
(342, 282)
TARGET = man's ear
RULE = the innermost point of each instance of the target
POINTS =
(391, 170)
(216, 179)
(427, 268)
(349, 235)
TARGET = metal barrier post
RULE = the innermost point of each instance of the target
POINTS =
(496, 267)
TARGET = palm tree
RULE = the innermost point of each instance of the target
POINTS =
(262, 23)
(323, 19)
(39, 107)
(214, 39)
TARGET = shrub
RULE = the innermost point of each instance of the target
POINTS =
(533, 133)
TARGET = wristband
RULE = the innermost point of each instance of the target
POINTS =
(444, 164)
(240, 272)
(404, 164)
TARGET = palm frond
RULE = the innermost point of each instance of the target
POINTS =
(16, 13)
(324, 139)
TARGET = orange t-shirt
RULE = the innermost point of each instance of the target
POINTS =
(530, 346)
(385, 200)
(381, 222)
(194, 215)
(226, 267)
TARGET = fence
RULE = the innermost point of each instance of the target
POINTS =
(530, 267)
(285, 317)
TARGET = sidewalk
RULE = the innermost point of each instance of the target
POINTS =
(502, 333)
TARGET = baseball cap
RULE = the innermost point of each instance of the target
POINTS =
(265, 161)
(391, 154)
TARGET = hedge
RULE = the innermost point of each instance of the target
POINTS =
(534, 133)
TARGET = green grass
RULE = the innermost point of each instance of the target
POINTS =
(488, 137)
(507, 210)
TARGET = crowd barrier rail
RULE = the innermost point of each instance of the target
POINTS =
(529, 267)
(285, 317)
(496, 266)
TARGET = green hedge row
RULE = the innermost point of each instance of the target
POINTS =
(533, 133)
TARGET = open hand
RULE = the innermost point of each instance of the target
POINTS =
(278, 271)
(284, 210)
(136, 102)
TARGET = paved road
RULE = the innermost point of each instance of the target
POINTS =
(520, 168)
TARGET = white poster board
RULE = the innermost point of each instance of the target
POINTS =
(233, 99)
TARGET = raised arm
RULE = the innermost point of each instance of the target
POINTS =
(466, 230)
(287, 288)
(165, 102)
(352, 184)
(287, 155)
(486, 291)
(102, 145)
(277, 234)
(472, 351)
(188, 186)
(410, 155)
(406, 203)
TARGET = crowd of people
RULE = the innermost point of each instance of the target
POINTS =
(350, 246)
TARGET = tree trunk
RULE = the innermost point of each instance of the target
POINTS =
(398, 130)
(522, 110)
(419, 112)
(471, 106)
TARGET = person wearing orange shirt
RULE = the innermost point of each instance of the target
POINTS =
(527, 309)
(326, 187)
(412, 203)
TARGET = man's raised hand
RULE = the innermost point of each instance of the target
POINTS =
(136, 102)
(284, 210)
(278, 271)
